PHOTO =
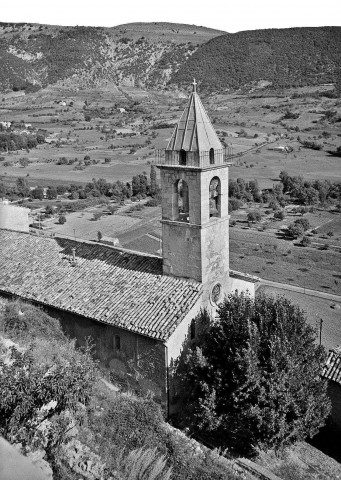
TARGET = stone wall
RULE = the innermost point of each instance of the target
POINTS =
(139, 358)
(198, 249)
(242, 283)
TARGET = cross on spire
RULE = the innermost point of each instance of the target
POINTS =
(194, 85)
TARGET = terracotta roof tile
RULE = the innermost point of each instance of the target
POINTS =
(332, 369)
(119, 288)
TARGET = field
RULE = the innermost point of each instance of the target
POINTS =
(127, 227)
(91, 124)
(315, 309)
(260, 120)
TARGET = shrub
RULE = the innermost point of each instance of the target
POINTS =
(153, 202)
(279, 215)
(144, 464)
(234, 204)
(304, 222)
(22, 321)
(305, 241)
(254, 216)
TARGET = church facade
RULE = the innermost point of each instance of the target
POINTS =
(138, 308)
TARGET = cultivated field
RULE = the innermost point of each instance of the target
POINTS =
(121, 143)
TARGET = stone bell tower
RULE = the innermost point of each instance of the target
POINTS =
(195, 220)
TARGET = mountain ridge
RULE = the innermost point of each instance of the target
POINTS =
(162, 55)
(284, 57)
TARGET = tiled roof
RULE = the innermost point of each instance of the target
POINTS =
(332, 369)
(123, 289)
(194, 132)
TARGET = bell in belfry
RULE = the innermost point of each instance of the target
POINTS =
(213, 207)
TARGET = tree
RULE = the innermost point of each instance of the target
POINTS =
(49, 210)
(153, 185)
(295, 230)
(254, 217)
(22, 186)
(51, 193)
(61, 189)
(37, 193)
(62, 219)
(280, 215)
(304, 222)
(99, 236)
(24, 161)
(252, 375)
(3, 189)
(306, 241)
(139, 184)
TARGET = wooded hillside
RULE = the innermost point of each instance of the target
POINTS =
(284, 57)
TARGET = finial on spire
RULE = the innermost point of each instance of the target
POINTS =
(194, 85)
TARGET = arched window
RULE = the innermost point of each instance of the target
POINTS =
(183, 157)
(214, 197)
(211, 156)
(183, 202)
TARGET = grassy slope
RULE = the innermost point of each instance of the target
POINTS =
(40, 55)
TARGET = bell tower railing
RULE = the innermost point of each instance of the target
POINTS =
(195, 159)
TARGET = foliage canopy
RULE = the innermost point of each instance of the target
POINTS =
(252, 376)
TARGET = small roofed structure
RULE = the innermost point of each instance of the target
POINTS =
(332, 370)
(332, 373)
(110, 240)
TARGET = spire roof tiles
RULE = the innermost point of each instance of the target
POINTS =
(194, 131)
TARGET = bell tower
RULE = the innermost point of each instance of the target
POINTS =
(195, 219)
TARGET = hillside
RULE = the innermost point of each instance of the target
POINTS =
(284, 57)
(34, 56)
(164, 55)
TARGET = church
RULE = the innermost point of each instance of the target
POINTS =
(138, 308)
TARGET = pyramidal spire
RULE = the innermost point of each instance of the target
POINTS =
(194, 132)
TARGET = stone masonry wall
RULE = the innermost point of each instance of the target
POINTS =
(142, 357)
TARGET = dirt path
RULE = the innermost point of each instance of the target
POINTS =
(306, 291)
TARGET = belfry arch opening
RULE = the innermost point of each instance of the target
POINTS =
(182, 157)
(182, 201)
(211, 155)
(214, 198)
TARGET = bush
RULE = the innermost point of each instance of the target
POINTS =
(279, 215)
(305, 241)
(295, 230)
(304, 222)
(43, 383)
(234, 204)
(254, 217)
(153, 202)
(22, 321)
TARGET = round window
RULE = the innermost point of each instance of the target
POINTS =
(216, 293)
